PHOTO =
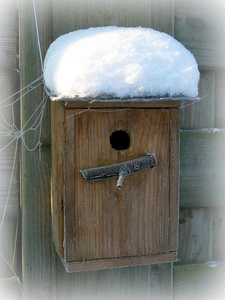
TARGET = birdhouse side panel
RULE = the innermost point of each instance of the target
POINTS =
(174, 178)
(57, 178)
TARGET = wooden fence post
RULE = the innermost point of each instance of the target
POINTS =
(36, 164)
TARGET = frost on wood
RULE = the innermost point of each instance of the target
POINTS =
(121, 63)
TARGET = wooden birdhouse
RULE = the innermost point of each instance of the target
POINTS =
(97, 225)
(115, 159)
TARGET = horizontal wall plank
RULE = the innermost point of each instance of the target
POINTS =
(198, 282)
(202, 168)
(199, 27)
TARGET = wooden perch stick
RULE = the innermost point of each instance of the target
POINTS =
(148, 161)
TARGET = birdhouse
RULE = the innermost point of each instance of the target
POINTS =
(115, 164)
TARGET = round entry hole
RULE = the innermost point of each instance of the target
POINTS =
(119, 140)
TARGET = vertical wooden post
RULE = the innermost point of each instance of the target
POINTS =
(8, 166)
(35, 170)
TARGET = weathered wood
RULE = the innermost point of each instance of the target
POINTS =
(119, 262)
(200, 114)
(84, 14)
(57, 125)
(161, 281)
(100, 221)
(6, 175)
(198, 26)
(174, 178)
(73, 15)
(133, 103)
(7, 247)
(219, 99)
(218, 234)
(7, 35)
(202, 165)
(162, 16)
(195, 236)
(147, 282)
(120, 283)
(35, 174)
(205, 281)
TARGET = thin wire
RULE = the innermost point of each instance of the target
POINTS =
(38, 37)
(4, 119)
(194, 102)
(10, 185)
(14, 251)
(32, 116)
(20, 91)
(41, 114)
(19, 282)
(29, 89)
(97, 110)
(15, 138)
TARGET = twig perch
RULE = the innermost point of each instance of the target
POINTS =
(148, 161)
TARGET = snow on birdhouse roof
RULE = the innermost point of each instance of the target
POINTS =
(121, 63)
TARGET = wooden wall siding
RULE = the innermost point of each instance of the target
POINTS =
(201, 113)
(9, 288)
(6, 168)
(198, 25)
(218, 234)
(35, 174)
(219, 114)
(7, 35)
(202, 168)
(195, 244)
(197, 28)
(72, 15)
(7, 243)
(145, 282)
(199, 282)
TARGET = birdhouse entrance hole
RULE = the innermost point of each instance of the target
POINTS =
(120, 140)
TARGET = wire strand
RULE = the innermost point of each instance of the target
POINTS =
(38, 37)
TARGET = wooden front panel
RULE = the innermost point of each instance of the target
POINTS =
(102, 221)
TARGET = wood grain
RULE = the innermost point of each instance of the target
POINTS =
(219, 99)
(202, 158)
(7, 35)
(198, 27)
(218, 234)
(200, 281)
(111, 222)
(35, 174)
(195, 244)
(6, 174)
(174, 178)
(74, 15)
(120, 262)
(115, 103)
(101, 221)
(200, 114)
(57, 178)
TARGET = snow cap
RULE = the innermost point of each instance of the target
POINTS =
(119, 62)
